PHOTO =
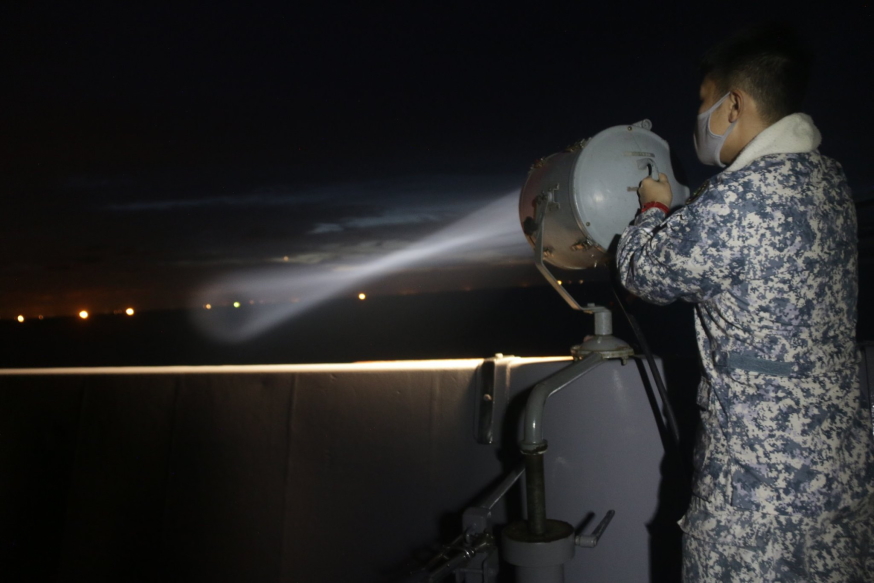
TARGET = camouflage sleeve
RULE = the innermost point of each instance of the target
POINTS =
(693, 255)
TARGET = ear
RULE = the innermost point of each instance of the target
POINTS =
(737, 101)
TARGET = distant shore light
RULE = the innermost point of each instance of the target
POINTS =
(21, 318)
(83, 314)
(362, 296)
(129, 311)
(207, 306)
(236, 304)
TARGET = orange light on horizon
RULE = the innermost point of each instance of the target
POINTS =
(20, 318)
(362, 296)
(83, 314)
(129, 311)
(207, 306)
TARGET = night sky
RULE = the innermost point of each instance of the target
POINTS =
(172, 157)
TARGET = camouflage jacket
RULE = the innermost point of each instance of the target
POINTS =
(767, 251)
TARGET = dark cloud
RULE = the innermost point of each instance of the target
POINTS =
(179, 244)
(147, 150)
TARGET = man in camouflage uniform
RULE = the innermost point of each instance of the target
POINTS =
(767, 252)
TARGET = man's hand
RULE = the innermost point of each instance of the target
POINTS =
(652, 191)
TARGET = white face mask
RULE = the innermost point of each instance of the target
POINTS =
(707, 144)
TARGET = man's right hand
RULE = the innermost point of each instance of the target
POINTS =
(652, 191)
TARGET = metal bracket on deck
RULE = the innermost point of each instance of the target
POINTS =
(491, 393)
(485, 404)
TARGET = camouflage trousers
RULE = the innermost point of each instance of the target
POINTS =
(753, 547)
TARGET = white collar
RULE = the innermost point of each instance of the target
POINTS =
(794, 134)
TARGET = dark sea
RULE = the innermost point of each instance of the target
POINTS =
(532, 321)
(474, 324)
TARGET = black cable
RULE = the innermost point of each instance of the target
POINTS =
(669, 411)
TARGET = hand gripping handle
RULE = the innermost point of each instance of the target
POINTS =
(650, 164)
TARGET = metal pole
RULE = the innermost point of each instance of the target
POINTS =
(489, 500)
(533, 440)
(535, 486)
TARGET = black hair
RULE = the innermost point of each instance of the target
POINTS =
(768, 61)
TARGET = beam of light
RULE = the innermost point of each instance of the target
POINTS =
(83, 314)
(20, 318)
(129, 311)
(494, 227)
(362, 296)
